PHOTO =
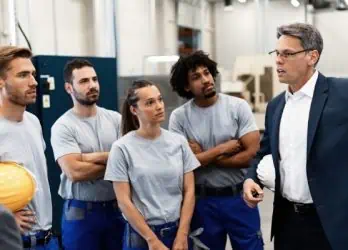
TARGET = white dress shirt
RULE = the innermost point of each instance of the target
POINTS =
(293, 143)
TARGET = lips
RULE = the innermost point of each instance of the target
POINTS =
(32, 92)
(160, 114)
(209, 87)
(93, 93)
(281, 71)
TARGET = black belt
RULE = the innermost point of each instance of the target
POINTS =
(41, 238)
(203, 191)
(300, 208)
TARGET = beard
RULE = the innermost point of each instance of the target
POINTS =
(85, 100)
(16, 97)
(209, 94)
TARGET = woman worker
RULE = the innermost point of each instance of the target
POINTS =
(152, 173)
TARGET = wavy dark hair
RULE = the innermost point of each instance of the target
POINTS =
(129, 121)
(180, 70)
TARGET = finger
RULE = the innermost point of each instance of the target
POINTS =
(250, 203)
(26, 213)
(21, 230)
(258, 189)
(25, 226)
(28, 219)
(248, 197)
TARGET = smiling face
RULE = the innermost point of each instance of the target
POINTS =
(150, 107)
(18, 84)
(201, 83)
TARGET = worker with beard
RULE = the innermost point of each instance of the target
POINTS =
(222, 132)
(21, 141)
(81, 140)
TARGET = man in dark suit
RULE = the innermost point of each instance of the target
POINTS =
(306, 131)
(10, 238)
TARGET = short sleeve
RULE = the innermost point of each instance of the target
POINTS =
(63, 141)
(117, 165)
(118, 122)
(246, 119)
(174, 124)
(189, 159)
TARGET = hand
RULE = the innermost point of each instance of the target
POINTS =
(157, 245)
(230, 147)
(180, 242)
(24, 219)
(195, 147)
(252, 193)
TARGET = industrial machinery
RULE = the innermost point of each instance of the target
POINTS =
(255, 79)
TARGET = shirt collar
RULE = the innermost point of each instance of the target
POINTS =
(307, 89)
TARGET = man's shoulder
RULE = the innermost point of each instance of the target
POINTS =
(64, 120)
(180, 111)
(31, 117)
(231, 99)
(342, 82)
(110, 113)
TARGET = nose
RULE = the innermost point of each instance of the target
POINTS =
(279, 59)
(159, 105)
(205, 79)
(93, 85)
(32, 81)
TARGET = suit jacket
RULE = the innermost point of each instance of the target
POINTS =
(327, 156)
(10, 238)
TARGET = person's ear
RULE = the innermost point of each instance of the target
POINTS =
(68, 88)
(314, 57)
(133, 110)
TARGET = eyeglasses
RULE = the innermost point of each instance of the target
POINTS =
(286, 55)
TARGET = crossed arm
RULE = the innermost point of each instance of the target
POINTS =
(231, 154)
(84, 167)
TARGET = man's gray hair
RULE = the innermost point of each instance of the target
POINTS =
(308, 35)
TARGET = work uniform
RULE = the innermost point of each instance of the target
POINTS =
(220, 209)
(91, 218)
(22, 142)
(155, 172)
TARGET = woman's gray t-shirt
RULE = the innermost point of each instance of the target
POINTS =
(154, 170)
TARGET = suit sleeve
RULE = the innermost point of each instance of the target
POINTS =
(265, 148)
(9, 233)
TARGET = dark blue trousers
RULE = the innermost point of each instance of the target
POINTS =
(92, 225)
(222, 216)
(165, 233)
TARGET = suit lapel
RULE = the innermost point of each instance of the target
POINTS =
(275, 138)
(275, 131)
(317, 106)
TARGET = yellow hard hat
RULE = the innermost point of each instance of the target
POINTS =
(17, 186)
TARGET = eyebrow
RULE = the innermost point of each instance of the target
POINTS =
(84, 79)
(196, 72)
(153, 98)
(26, 72)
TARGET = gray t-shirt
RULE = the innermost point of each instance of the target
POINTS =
(22, 142)
(155, 170)
(72, 134)
(229, 118)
